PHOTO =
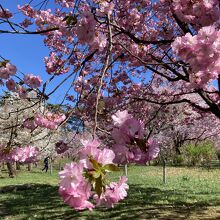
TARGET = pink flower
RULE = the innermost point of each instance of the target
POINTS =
(71, 176)
(113, 194)
(201, 12)
(119, 136)
(120, 117)
(202, 53)
(27, 10)
(29, 124)
(77, 198)
(153, 149)
(106, 7)
(86, 28)
(133, 128)
(11, 69)
(26, 154)
(74, 189)
(49, 120)
(10, 84)
(7, 71)
(26, 22)
(122, 154)
(5, 13)
(22, 92)
(103, 156)
(32, 81)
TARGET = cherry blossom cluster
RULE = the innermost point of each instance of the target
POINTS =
(54, 64)
(201, 12)
(66, 3)
(7, 70)
(202, 53)
(131, 147)
(86, 31)
(61, 147)
(83, 184)
(49, 120)
(32, 81)
(29, 123)
(5, 13)
(14, 87)
(27, 154)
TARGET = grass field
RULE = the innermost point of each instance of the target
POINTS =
(190, 193)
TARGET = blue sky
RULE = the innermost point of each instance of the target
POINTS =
(26, 51)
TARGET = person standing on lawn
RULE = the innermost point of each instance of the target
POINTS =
(46, 161)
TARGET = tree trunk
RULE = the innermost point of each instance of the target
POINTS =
(29, 167)
(126, 170)
(11, 170)
(51, 166)
(18, 167)
(60, 168)
(164, 172)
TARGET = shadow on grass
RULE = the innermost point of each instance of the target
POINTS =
(39, 201)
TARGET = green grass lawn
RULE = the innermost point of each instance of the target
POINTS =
(190, 193)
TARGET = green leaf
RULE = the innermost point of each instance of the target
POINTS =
(98, 186)
(95, 164)
(111, 167)
(3, 63)
(70, 20)
(96, 174)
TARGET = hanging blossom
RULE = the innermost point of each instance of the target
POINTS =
(131, 147)
(29, 123)
(201, 12)
(55, 65)
(11, 85)
(86, 32)
(5, 13)
(113, 193)
(86, 180)
(7, 70)
(202, 53)
(49, 120)
(66, 3)
(32, 81)
(27, 154)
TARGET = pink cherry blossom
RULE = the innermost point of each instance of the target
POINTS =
(22, 92)
(203, 12)
(49, 120)
(153, 149)
(32, 81)
(11, 85)
(202, 53)
(113, 194)
(7, 71)
(5, 13)
(73, 187)
(29, 124)
(120, 117)
(103, 156)
(123, 155)
(27, 154)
